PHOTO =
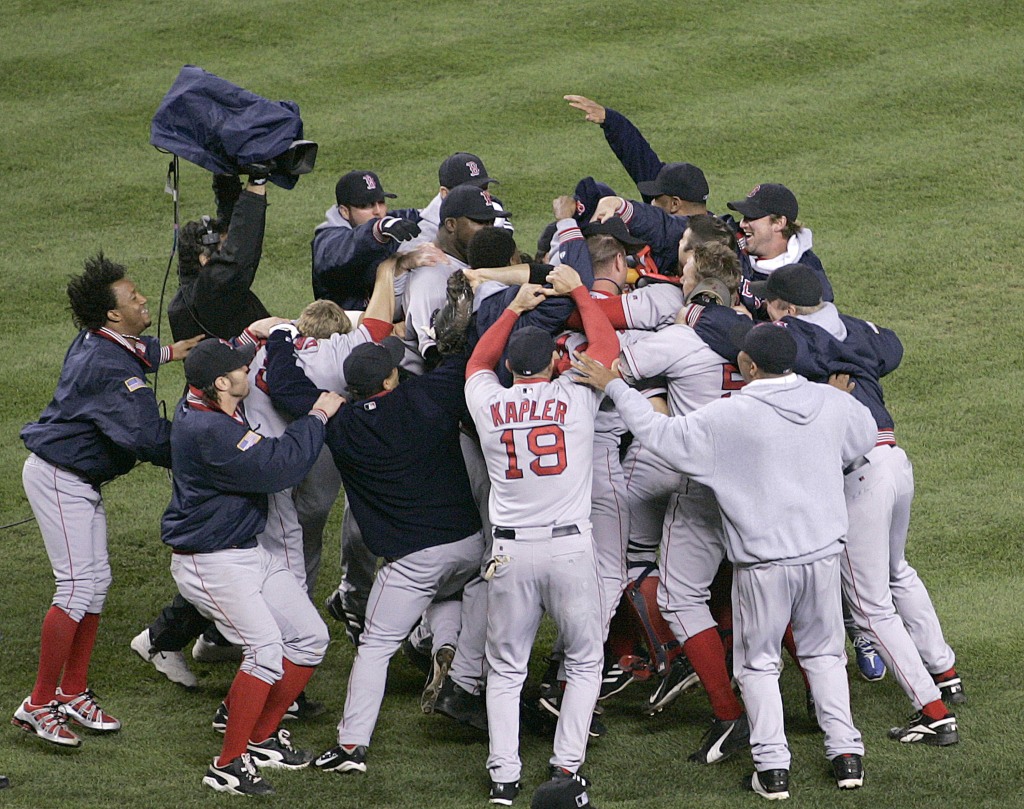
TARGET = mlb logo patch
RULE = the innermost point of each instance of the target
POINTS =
(249, 440)
(134, 384)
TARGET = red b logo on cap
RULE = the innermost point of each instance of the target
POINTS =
(474, 169)
(370, 184)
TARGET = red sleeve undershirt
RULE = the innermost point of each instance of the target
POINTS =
(492, 345)
(612, 307)
(603, 344)
(379, 329)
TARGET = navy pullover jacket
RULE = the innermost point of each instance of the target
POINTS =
(398, 453)
(223, 472)
(103, 417)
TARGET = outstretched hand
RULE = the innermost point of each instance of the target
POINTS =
(595, 112)
(180, 349)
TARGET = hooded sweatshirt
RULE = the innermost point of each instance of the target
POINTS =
(773, 453)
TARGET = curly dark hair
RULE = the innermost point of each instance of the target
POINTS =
(91, 295)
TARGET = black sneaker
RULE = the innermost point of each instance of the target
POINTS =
(220, 718)
(848, 769)
(277, 753)
(557, 773)
(440, 663)
(238, 777)
(597, 728)
(952, 691)
(771, 784)
(338, 759)
(304, 708)
(937, 732)
(615, 679)
(503, 794)
(722, 739)
(354, 622)
(457, 703)
(679, 678)
(551, 697)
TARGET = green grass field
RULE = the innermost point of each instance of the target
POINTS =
(896, 124)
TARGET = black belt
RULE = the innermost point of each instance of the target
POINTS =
(557, 531)
(853, 466)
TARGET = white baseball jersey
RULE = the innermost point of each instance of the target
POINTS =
(530, 433)
(696, 374)
(653, 306)
(322, 362)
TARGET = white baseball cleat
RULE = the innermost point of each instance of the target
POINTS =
(84, 709)
(48, 722)
(170, 664)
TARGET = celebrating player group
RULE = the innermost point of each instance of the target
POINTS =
(658, 428)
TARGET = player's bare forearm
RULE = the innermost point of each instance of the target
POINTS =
(381, 305)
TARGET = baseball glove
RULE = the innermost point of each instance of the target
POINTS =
(451, 321)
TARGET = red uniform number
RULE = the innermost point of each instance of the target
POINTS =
(545, 443)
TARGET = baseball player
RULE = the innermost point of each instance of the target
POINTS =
(888, 600)
(397, 449)
(460, 168)
(465, 210)
(223, 471)
(784, 523)
(102, 420)
(773, 237)
(538, 441)
(357, 234)
(693, 542)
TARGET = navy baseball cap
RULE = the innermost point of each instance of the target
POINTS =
(369, 364)
(214, 358)
(471, 202)
(617, 228)
(463, 168)
(770, 345)
(529, 350)
(683, 180)
(588, 193)
(766, 199)
(359, 189)
(561, 793)
(797, 284)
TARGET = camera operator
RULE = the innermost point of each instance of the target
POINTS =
(217, 262)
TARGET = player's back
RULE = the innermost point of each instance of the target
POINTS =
(538, 441)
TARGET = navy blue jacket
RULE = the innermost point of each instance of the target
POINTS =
(398, 453)
(221, 127)
(223, 472)
(345, 259)
(867, 353)
(103, 417)
(635, 154)
(217, 300)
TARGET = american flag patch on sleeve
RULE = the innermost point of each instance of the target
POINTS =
(134, 383)
(249, 440)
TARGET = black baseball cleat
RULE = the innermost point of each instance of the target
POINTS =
(354, 622)
(936, 732)
(952, 690)
(771, 784)
(304, 708)
(848, 770)
(679, 677)
(440, 663)
(503, 794)
(722, 739)
(220, 718)
(238, 777)
(615, 680)
(457, 703)
(277, 753)
(556, 773)
(339, 759)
